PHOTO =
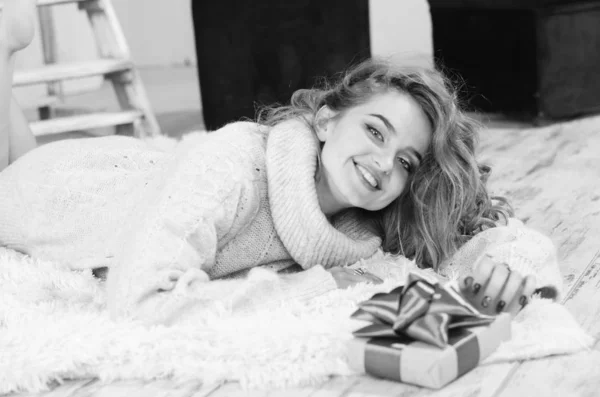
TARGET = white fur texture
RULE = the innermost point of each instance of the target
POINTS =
(53, 326)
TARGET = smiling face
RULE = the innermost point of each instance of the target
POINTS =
(370, 151)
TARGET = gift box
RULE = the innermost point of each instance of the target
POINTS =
(423, 333)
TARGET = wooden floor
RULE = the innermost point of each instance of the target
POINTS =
(552, 175)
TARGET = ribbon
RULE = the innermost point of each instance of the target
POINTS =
(422, 309)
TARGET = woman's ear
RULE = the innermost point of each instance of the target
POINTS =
(324, 122)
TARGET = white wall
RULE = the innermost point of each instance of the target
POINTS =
(401, 30)
(160, 32)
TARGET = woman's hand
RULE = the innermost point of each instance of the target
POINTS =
(345, 277)
(493, 288)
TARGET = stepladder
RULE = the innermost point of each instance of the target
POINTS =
(113, 62)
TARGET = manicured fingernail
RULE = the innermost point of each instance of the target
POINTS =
(468, 281)
(500, 306)
(476, 288)
(486, 301)
(523, 300)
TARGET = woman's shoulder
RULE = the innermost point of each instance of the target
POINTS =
(233, 136)
(247, 130)
(239, 147)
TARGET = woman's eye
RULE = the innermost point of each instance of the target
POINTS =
(405, 164)
(375, 133)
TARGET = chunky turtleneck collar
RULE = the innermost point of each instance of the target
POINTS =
(303, 228)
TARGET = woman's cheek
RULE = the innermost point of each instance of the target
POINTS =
(398, 187)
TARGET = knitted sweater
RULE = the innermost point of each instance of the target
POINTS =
(165, 223)
(161, 220)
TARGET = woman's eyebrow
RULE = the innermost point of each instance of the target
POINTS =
(415, 153)
(385, 121)
(390, 127)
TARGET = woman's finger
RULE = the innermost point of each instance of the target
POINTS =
(474, 286)
(490, 297)
(373, 278)
(364, 278)
(346, 277)
(512, 288)
(522, 296)
(482, 272)
(360, 275)
(465, 283)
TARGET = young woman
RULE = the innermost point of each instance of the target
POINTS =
(382, 159)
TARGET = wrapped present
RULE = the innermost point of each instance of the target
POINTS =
(423, 333)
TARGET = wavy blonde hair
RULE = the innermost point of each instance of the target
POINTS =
(446, 201)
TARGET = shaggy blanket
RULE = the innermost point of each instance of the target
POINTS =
(54, 326)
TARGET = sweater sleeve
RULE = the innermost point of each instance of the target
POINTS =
(522, 248)
(260, 289)
(204, 195)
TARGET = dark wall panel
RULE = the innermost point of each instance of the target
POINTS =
(262, 51)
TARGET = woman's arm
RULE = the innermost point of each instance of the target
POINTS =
(171, 240)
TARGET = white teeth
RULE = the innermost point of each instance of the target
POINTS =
(370, 178)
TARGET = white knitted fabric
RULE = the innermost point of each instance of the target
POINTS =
(302, 226)
(68, 201)
(167, 221)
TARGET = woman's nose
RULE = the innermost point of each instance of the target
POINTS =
(385, 163)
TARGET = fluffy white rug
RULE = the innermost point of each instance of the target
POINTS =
(53, 326)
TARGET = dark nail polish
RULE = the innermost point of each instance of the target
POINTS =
(476, 288)
(468, 281)
(500, 306)
(523, 300)
(486, 301)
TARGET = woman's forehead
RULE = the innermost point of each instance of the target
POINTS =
(397, 107)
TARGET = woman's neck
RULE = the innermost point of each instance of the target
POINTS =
(329, 205)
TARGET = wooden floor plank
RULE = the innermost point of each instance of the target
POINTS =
(205, 390)
(483, 381)
(233, 389)
(66, 389)
(158, 388)
(336, 387)
(373, 387)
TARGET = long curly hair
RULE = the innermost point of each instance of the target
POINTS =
(445, 201)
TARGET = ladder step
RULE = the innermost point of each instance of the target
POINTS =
(68, 71)
(38, 101)
(53, 2)
(84, 122)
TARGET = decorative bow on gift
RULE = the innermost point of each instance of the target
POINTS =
(422, 309)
